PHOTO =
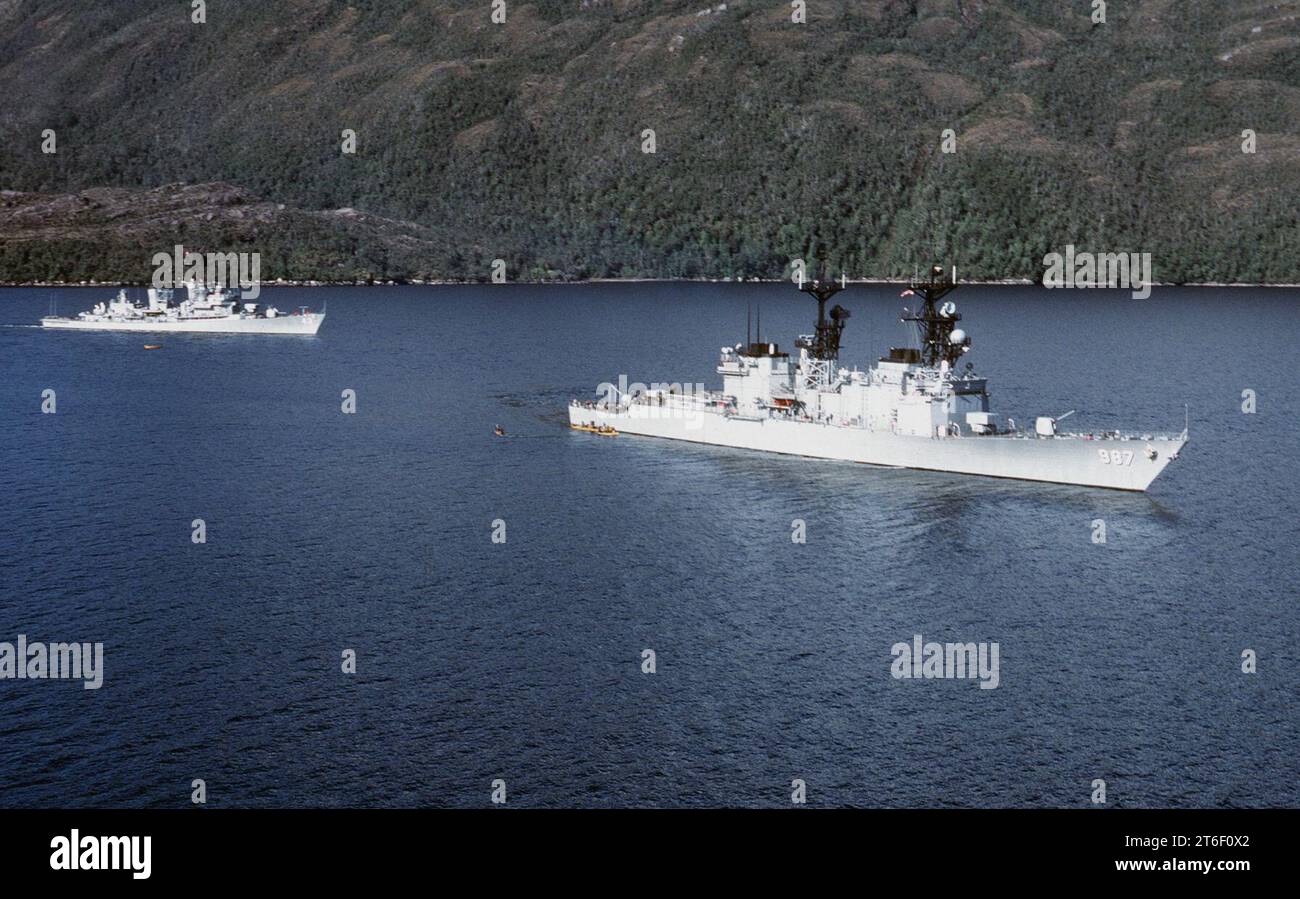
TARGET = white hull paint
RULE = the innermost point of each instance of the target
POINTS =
(307, 324)
(916, 408)
(1118, 464)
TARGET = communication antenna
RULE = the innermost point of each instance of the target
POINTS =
(825, 342)
(934, 323)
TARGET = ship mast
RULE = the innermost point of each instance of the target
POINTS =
(935, 323)
(826, 341)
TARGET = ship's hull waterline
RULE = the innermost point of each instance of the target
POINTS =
(1117, 464)
(285, 324)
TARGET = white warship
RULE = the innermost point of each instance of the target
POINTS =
(214, 310)
(914, 409)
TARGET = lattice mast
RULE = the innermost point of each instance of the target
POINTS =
(935, 322)
(826, 340)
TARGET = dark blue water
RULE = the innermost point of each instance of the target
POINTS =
(522, 661)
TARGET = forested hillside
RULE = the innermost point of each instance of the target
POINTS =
(524, 141)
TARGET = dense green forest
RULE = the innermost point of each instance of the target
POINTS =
(524, 141)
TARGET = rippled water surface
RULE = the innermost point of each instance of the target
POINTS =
(522, 661)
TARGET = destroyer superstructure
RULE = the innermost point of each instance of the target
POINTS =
(206, 309)
(918, 407)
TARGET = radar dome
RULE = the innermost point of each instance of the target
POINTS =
(957, 336)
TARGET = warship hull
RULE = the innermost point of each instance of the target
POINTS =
(1114, 463)
(284, 324)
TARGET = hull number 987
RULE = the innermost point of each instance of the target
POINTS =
(1116, 457)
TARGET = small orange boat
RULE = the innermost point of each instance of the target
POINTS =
(153, 346)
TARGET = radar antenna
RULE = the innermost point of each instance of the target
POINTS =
(935, 323)
(826, 341)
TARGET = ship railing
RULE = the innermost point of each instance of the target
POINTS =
(662, 400)
(1124, 436)
(674, 399)
(1099, 436)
